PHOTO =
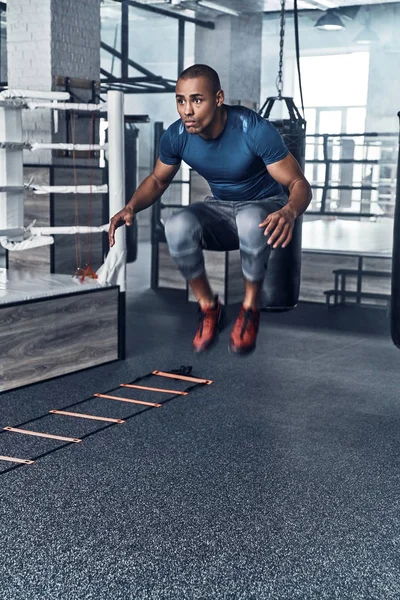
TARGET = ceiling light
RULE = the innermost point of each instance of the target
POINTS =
(304, 4)
(330, 21)
(218, 7)
(366, 36)
(323, 3)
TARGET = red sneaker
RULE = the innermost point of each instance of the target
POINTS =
(244, 332)
(210, 321)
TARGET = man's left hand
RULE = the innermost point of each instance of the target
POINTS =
(279, 226)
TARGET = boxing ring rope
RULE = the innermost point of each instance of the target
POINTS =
(33, 237)
(68, 189)
(41, 95)
(7, 233)
(16, 237)
(57, 146)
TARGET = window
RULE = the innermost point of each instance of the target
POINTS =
(333, 80)
(335, 91)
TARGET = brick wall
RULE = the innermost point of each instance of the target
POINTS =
(46, 39)
(75, 46)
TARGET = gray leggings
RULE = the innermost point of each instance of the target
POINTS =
(221, 225)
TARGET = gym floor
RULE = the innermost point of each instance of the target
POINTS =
(278, 481)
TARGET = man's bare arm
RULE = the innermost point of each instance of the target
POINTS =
(146, 194)
(288, 173)
(279, 225)
(153, 186)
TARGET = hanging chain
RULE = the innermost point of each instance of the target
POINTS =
(279, 79)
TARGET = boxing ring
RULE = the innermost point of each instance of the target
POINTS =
(54, 324)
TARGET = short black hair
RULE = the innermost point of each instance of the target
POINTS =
(202, 71)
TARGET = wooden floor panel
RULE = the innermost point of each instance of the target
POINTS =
(52, 337)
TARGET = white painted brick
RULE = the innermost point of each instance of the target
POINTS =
(48, 38)
(39, 30)
(14, 10)
(19, 36)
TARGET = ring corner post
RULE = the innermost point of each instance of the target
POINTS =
(116, 176)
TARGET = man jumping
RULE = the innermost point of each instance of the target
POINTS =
(245, 162)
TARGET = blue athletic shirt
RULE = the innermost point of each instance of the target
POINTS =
(234, 163)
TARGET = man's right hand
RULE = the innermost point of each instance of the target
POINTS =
(146, 194)
(125, 216)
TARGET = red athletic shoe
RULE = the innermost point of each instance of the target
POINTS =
(210, 321)
(244, 332)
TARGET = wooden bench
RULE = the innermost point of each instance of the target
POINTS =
(343, 294)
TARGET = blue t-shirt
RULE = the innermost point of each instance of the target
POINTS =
(234, 163)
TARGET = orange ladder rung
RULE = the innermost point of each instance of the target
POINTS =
(151, 389)
(182, 377)
(84, 416)
(44, 435)
(128, 400)
(23, 461)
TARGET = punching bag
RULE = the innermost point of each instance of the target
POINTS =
(282, 281)
(395, 301)
(131, 152)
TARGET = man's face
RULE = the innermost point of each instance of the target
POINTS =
(196, 103)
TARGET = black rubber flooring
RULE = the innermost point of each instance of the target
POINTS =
(279, 481)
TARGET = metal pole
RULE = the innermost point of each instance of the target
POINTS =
(181, 46)
(124, 38)
(116, 165)
(11, 169)
(116, 187)
(395, 298)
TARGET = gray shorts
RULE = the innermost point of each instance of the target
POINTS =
(222, 226)
(219, 219)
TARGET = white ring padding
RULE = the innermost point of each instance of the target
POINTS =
(67, 106)
(34, 241)
(69, 189)
(41, 95)
(44, 146)
(15, 145)
(12, 233)
(61, 146)
(13, 103)
(68, 230)
(18, 233)
(11, 188)
(112, 271)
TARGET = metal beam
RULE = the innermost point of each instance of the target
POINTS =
(146, 84)
(131, 89)
(167, 13)
(130, 62)
(143, 85)
(107, 74)
(144, 89)
(181, 46)
(142, 79)
(124, 38)
(145, 80)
